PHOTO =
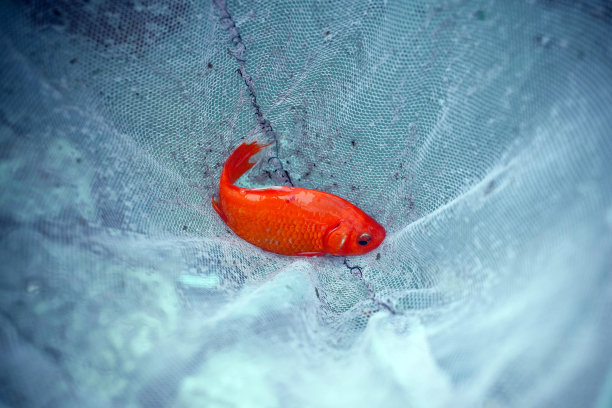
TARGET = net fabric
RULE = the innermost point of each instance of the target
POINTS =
(477, 133)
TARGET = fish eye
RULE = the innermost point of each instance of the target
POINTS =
(364, 239)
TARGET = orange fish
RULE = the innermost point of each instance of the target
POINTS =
(291, 220)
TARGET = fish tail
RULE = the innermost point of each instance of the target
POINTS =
(238, 163)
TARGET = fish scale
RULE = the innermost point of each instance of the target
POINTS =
(283, 233)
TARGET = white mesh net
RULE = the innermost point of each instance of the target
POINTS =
(477, 133)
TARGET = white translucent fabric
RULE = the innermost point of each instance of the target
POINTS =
(478, 133)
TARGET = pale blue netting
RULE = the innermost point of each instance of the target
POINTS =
(478, 133)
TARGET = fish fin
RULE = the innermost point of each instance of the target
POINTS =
(238, 162)
(335, 238)
(321, 253)
(218, 209)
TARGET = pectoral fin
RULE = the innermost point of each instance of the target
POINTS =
(311, 254)
(335, 238)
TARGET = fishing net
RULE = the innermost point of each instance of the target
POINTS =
(477, 132)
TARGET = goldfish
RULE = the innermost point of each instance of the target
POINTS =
(291, 221)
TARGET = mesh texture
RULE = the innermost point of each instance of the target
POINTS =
(477, 132)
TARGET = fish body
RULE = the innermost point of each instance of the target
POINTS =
(291, 220)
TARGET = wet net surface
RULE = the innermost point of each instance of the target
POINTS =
(477, 133)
